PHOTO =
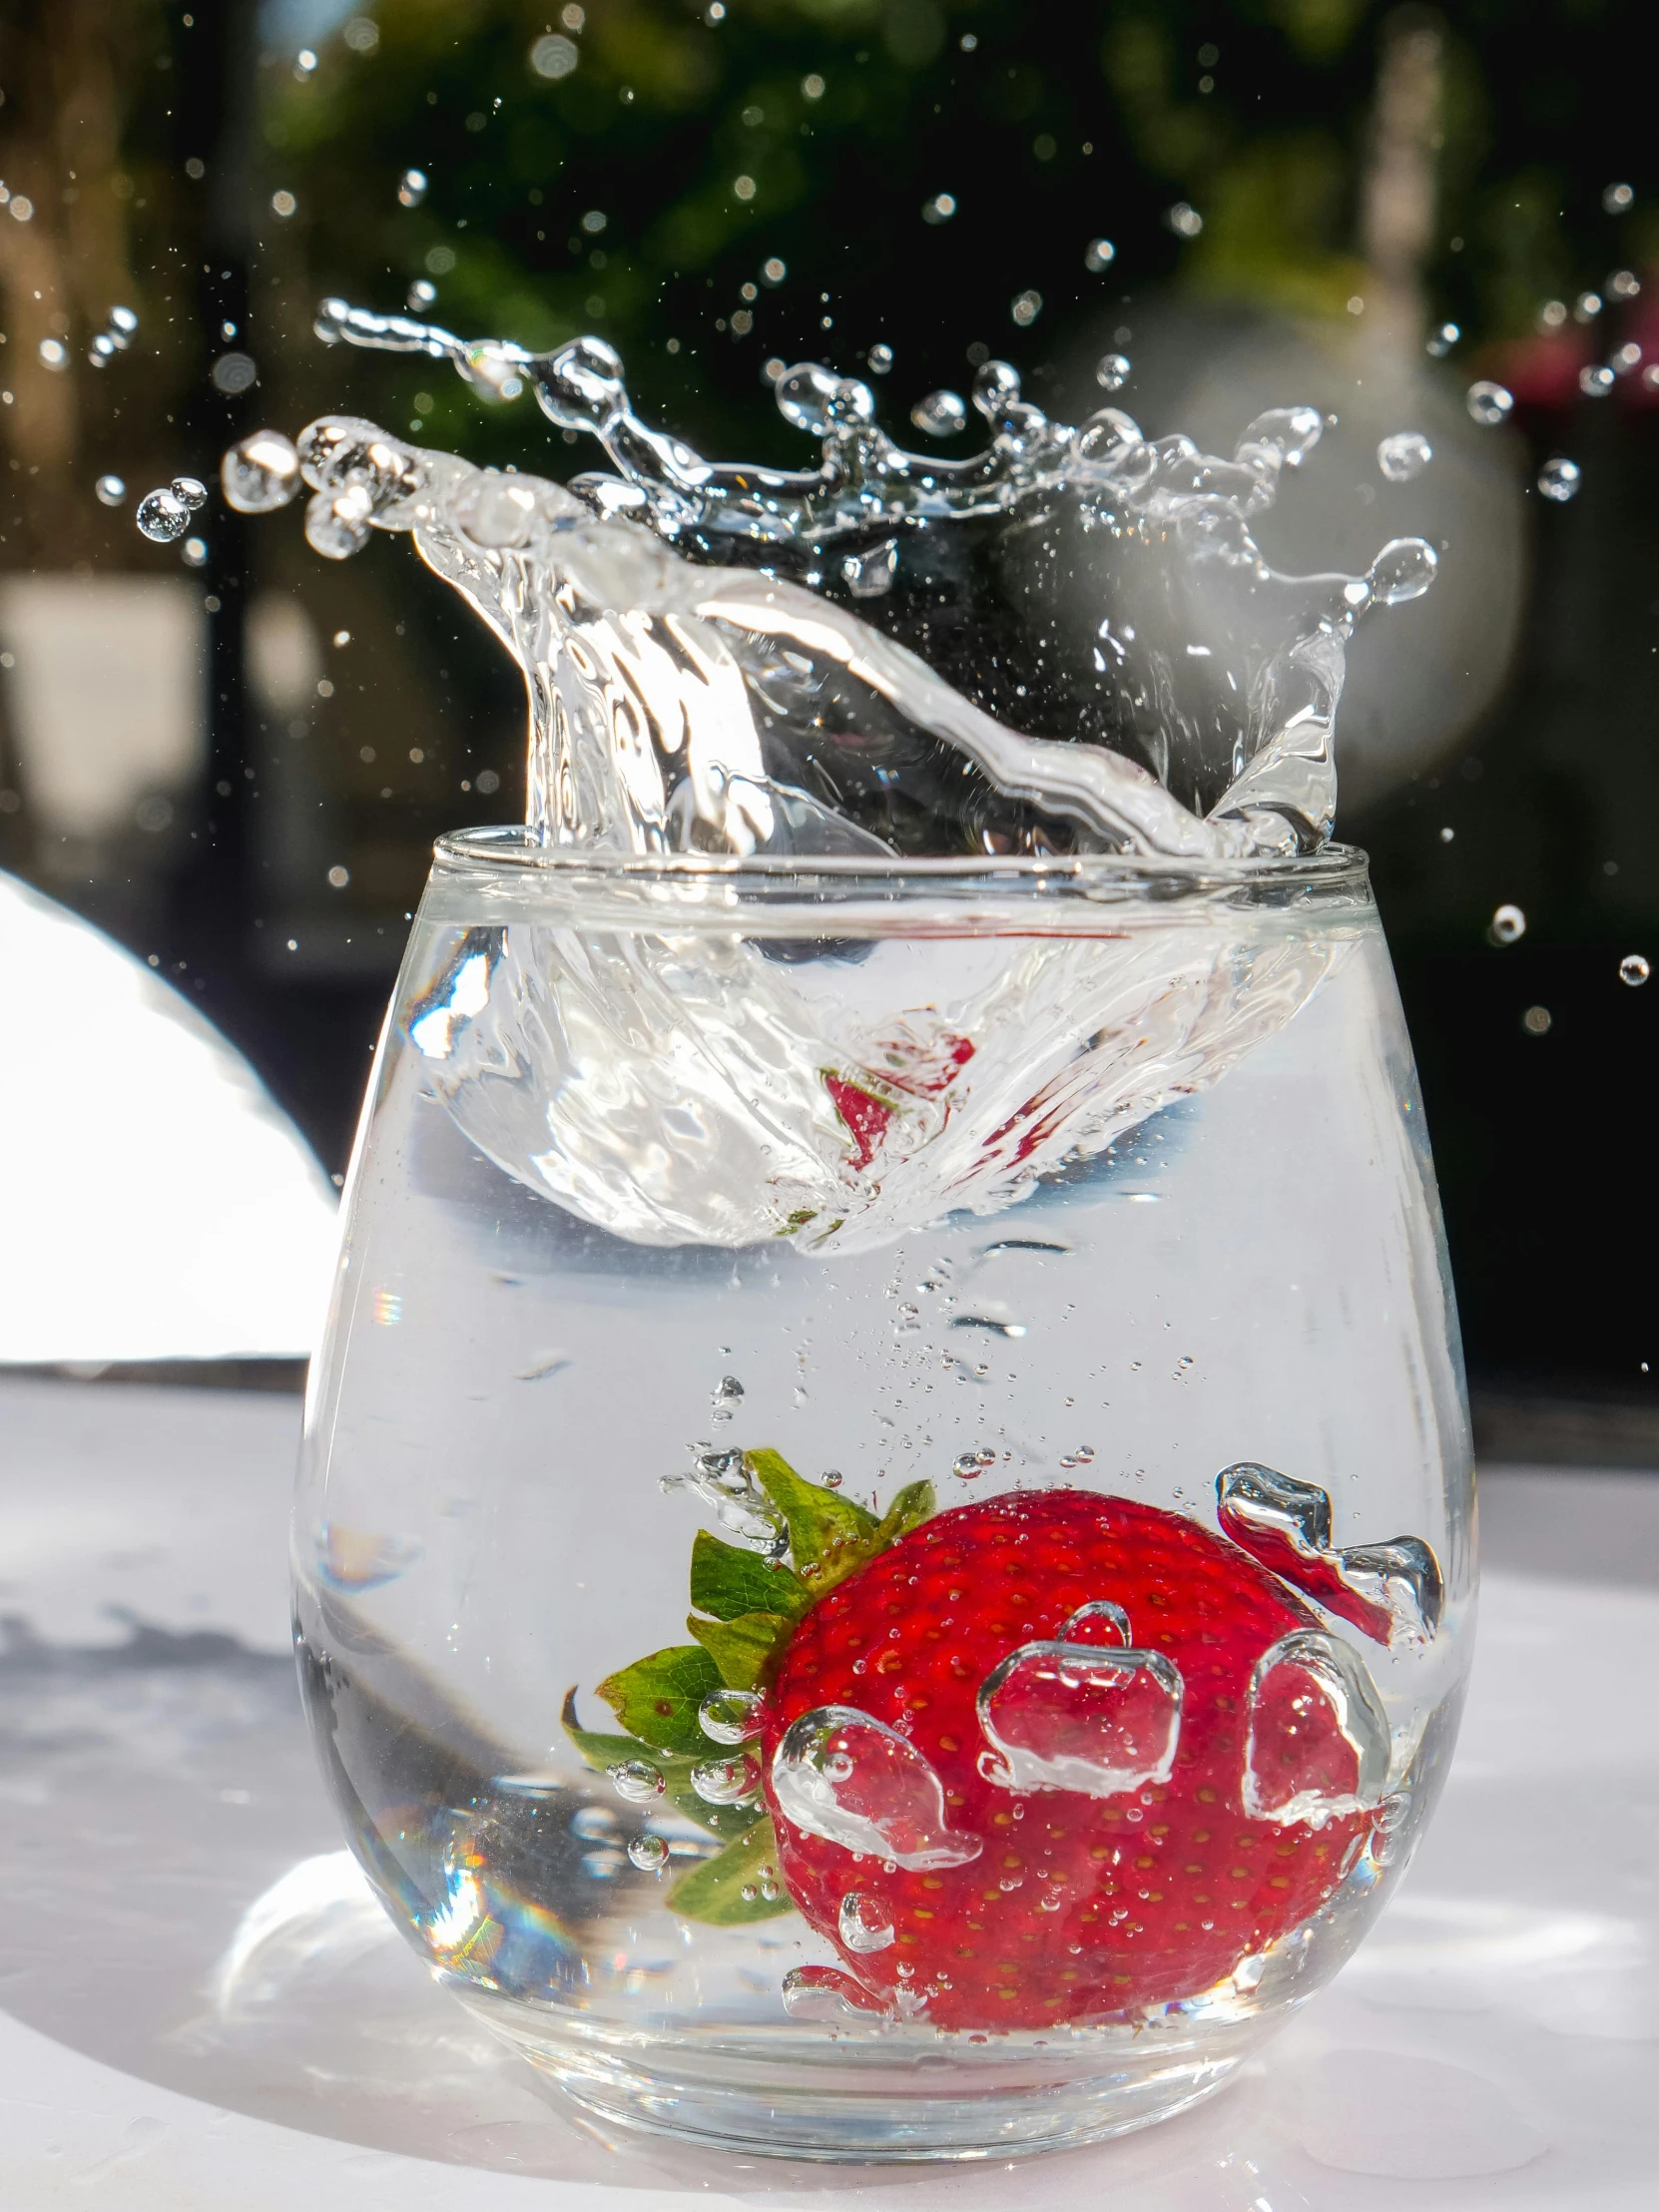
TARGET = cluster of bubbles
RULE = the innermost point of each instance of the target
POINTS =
(163, 516)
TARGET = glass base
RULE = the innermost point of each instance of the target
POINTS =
(875, 2100)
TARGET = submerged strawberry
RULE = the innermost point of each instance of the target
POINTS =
(1050, 1758)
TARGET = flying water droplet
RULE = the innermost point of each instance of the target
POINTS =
(1111, 371)
(190, 491)
(1099, 253)
(880, 358)
(942, 414)
(636, 1781)
(842, 1775)
(111, 491)
(1559, 479)
(864, 1924)
(1392, 1592)
(1597, 382)
(1081, 1716)
(1404, 570)
(727, 1781)
(826, 1994)
(163, 517)
(727, 1397)
(259, 473)
(649, 1853)
(1634, 970)
(1402, 455)
(1490, 403)
(869, 573)
(1317, 1747)
(1506, 925)
(724, 1480)
(730, 1716)
(1443, 340)
(411, 188)
(1618, 199)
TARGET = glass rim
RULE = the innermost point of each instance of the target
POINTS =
(512, 849)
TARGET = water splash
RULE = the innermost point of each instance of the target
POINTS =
(1393, 1592)
(1318, 1745)
(1081, 1715)
(715, 691)
(840, 1774)
(724, 1480)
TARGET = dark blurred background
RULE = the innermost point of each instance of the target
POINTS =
(233, 756)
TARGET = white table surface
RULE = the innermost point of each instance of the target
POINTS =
(172, 2035)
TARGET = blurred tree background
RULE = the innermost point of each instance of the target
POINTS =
(1385, 201)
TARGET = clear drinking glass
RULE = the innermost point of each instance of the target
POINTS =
(1007, 1300)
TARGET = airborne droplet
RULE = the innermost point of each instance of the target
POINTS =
(1402, 455)
(411, 188)
(942, 414)
(110, 491)
(1634, 970)
(1099, 253)
(163, 517)
(1490, 403)
(261, 473)
(1506, 925)
(1559, 479)
(1111, 371)
(842, 1775)
(1404, 570)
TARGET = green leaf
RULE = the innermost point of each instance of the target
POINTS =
(602, 1752)
(743, 1649)
(658, 1698)
(712, 1892)
(913, 1504)
(828, 1534)
(726, 1581)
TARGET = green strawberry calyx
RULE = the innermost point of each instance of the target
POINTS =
(745, 1609)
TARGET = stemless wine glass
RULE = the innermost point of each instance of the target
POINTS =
(884, 1548)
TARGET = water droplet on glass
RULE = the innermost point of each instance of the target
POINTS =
(1618, 199)
(1402, 455)
(869, 573)
(1099, 253)
(1597, 382)
(730, 1716)
(1081, 1716)
(259, 473)
(864, 1923)
(824, 1993)
(850, 1778)
(1111, 371)
(880, 358)
(939, 208)
(636, 1780)
(1404, 570)
(411, 188)
(1317, 1747)
(163, 517)
(1390, 1591)
(1506, 925)
(1443, 340)
(1488, 404)
(1633, 969)
(942, 414)
(727, 1781)
(1559, 479)
(110, 491)
(649, 1853)
(1025, 307)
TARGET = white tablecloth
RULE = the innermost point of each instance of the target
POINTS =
(167, 2042)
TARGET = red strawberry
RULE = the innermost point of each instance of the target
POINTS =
(1076, 1906)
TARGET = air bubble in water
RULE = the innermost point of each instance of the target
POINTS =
(636, 1780)
(1111, 371)
(880, 358)
(939, 208)
(971, 1465)
(163, 517)
(1559, 479)
(110, 491)
(1490, 403)
(1402, 455)
(1081, 1716)
(1404, 570)
(1099, 253)
(1443, 340)
(190, 491)
(411, 188)
(195, 552)
(942, 414)
(1634, 970)
(730, 1716)
(864, 1924)
(1506, 925)
(649, 1853)
(727, 1397)
(832, 1479)
(259, 473)
(1618, 199)
(842, 1775)
(54, 353)
(1597, 382)
(727, 1781)
(1025, 307)
(1318, 1745)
